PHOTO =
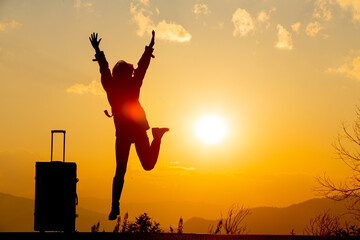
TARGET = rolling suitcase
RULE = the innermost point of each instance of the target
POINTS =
(55, 193)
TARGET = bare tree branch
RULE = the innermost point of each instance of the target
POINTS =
(233, 224)
(323, 224)
(347, 147)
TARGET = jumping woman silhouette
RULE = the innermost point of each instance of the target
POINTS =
(123, 89)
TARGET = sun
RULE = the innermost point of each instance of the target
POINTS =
(210, 129)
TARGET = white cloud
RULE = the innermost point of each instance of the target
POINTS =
(351, 68)
(88, 4)
(79, 3)
(176, 165)
(93, 88)
(172, 32)
(284, 38)
(183, 168)
(243, 22)
(145, 2)
(220, 24)
(164, 30)
(353, 5)
(263, 16)
(313, 28)
(201, 8)
(296, 27)
(4, 26)
(322, 10)
(145, 24)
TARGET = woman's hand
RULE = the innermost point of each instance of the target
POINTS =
(152, 39)
(94, 42)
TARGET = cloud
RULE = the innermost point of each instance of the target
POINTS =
(296, 27)
(145, 24)
(93, 88)
(145, 2)
(172, 32)
(79, 3)
(201, 8)
(263, 16)
(350, 68)
(353, 5)
(176, 165)
(164, 30)
(313, 28)
(243, 23)
(184, 168)
(284, 38)
(4, 26)
(322, 10)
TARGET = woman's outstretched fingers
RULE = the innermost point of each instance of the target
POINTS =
(152, 39)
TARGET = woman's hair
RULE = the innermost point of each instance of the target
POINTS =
(122, 68)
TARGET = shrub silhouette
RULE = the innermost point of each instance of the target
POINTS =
(142, 224)
(234, 221)
(117, 226)
(180, 225)
(95, 227)
(326, 224)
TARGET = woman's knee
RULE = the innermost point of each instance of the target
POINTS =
(147, 166)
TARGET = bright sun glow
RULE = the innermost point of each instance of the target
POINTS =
(211, 129)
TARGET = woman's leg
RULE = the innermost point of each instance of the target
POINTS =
(148, 154)
(122, 148)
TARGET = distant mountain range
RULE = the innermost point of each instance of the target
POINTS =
(17, 215)
(270, 220)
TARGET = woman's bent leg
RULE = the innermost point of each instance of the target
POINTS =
(148, 154)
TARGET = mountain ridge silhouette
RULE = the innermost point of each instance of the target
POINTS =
(276, 220)
(17, 215)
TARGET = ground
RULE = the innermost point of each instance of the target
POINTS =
(151, 236)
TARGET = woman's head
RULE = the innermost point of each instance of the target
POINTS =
(122, 69)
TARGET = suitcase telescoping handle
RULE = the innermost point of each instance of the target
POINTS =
(52, 134)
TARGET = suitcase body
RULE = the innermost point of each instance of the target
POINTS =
(55, 195)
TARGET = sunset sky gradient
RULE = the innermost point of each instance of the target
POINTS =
(282, 74)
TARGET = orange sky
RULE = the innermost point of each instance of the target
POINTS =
(282, 74)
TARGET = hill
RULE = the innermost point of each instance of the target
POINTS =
(270, 220)
(17, 215)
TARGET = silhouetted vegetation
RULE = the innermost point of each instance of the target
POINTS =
(218, 227)
(95, 227)
(327, 224)
(125, 223)
(347, 231)
(142, 224)
(324, 224)
(117, 225)
(347, 147)
(180, 225)
(234, 221)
